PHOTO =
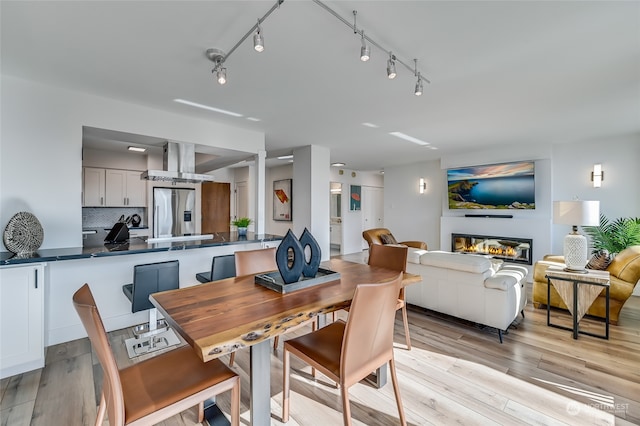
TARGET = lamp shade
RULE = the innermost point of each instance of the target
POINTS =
(578, 212)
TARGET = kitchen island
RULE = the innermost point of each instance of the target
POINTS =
(45, 281)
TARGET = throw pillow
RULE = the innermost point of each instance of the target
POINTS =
(387, 239)
(600, 260)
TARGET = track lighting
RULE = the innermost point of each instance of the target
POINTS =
(391, 67)
(364, 50)
(219, 57)
(258, 41)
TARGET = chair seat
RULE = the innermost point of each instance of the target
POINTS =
(323, 346)
(204, 277)
(158, 382)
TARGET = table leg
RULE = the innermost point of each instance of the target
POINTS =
(260, 360)
(575, 309)
(213, 415)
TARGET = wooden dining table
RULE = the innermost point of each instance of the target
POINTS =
(220, 317)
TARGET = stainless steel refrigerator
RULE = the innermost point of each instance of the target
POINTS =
(173, 212)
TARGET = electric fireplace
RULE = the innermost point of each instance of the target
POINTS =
(509, 249)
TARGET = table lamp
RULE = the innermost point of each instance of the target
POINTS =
(576, 213)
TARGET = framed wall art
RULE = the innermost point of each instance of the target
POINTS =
(282, 200)
(355, 197)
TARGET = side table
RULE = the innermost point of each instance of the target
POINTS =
(578, 291)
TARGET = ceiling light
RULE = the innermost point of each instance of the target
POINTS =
(137, 149)
(418, 89)
(222, 75)
(285, 157)
(253, 119)
(338, 164)
(207, 107)
(364, 50)
(408, 138)
(258, 41)
(391, 67)
(374, 126)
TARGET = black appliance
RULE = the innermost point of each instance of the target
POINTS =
(118, 234)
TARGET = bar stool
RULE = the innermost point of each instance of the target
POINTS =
(151, 278)
(221, 267)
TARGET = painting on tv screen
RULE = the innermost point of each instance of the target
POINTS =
(492, 186)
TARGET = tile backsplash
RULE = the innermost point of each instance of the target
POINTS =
(105, 217)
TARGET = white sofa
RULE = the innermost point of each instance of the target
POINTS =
(472, 287)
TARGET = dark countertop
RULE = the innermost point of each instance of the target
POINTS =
(134, 245)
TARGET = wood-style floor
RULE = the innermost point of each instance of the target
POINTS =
(456, 373)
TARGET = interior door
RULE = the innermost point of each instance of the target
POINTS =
(216, 207)
(242, 200)
(372, 209)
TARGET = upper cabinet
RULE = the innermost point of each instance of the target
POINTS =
(113, 188)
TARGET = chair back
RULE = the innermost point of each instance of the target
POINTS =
(390, 257)
(372, 236)
(223, 267)
(368, 336)
(152, 278)
(86, 307)
(251, 262)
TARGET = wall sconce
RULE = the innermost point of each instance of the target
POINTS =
(597, 175)
(422, 185)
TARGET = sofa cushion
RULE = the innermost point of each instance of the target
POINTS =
(501, 281)
(388, 239)
(456, 261)
(600, 260)
(626, 265)
(413, 255)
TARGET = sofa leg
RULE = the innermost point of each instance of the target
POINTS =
(522, 312)
(539, 305)
(500, 335)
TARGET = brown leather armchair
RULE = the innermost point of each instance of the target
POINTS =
(624, 271)
(374, 236)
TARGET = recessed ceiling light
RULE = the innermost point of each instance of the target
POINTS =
(253, 119)
(285, 157)
(432, 147)
(337, 164)
(207, 107)
(136, 149)
(375, 126)
(408, 138)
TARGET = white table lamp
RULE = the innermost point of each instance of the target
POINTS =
(576, 213)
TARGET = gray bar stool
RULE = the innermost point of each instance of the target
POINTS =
(221, 267)
(151, 278)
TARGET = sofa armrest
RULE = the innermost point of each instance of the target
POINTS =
(540, 269)
(415, 244)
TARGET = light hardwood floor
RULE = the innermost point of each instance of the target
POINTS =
(456, 373)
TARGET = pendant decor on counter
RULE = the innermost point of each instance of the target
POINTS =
(23, 234)
(311, 267)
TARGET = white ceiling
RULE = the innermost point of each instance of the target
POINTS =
(501, 72)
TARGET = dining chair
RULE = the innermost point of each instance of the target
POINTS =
(349, 352)
(393, 257)
(251, 262)
(157, 388)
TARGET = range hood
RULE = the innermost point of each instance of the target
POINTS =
(179, 165)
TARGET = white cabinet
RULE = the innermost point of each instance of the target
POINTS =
(336, 233)
(93, 187)
(21, 319)
(114, 188)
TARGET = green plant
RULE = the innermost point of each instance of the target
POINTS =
(242, 222)
(614, 236)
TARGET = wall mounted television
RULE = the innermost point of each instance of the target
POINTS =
(492, 186)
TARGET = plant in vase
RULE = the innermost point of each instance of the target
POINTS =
(614, 236)
(242, 223)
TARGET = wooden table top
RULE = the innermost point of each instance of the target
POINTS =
(222, 316)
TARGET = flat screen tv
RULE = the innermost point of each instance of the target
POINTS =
(492, 186)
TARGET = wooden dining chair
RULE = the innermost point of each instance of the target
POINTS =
(251, 262)
(157, 388)
(349, 352)
(393, 257)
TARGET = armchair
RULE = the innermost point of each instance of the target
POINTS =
(378, 235)
(624, 271)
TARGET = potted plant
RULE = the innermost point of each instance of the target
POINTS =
(241, 223)
(614, 236)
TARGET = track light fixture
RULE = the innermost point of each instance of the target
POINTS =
(258, 41)
(218, 57)
(391, 67)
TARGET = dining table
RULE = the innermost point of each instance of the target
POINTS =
(220, 317)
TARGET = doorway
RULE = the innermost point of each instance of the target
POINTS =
(335, 218)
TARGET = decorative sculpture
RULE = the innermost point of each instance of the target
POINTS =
(292, 270)
(23, 234)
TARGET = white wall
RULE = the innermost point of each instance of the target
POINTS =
(41, 148)
(276, 227)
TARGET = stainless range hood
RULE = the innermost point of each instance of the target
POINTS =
(179, 165)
